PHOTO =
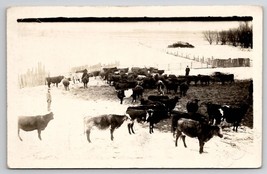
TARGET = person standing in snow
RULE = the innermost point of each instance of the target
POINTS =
(48, 99)
(187, 70)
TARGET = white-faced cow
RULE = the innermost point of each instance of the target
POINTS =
(103, 122)
(30, 123)
(196, 129)
(235, 114)
(138, 113)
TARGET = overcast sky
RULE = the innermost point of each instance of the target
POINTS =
(61, 46)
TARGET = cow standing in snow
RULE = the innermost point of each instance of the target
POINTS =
(196, 129)
(103, 122)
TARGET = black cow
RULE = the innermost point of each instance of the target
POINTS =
(155, 115)
(250, 91)
(108, 71)
(125, 85)
(204, 79)
(183, 89)
(95, 73)
(160, 86)
(140, 71)
(85, 80)
(183, 79)
(103, 122)
(66, 84)
(196, 129)
(138, 113)
(55, 80)
(170, 103)
(176, 115)
(123, 70)
(235, 114)
(221, 77)
(192, 106)
(137, 92)
(193, 78)
(149, 102)
(226, 78)
(120, 95)
(214, 112)
(157, 97)
(113, 78)
(148, 82)
(171, 85)
(30, 123)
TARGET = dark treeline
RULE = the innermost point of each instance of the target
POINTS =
(241, 36)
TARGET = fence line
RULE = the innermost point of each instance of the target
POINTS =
(33, 77)
(230, 62)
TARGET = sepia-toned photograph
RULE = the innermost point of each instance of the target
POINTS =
(134, 87)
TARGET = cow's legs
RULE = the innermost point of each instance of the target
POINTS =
(19, 135)
(131, 126)
(183, 138)
(201, 145)
(88, 135)
(151, 128)
(178, 134)
(235, 126)
(111, 133)
(39, 134)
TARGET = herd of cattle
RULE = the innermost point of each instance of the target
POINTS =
(154, 108)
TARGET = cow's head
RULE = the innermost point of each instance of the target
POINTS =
(149, 114)
(50, 116)
(127, 117)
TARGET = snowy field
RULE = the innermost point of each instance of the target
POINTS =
(64, 144)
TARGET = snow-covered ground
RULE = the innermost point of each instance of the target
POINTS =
(64, 144)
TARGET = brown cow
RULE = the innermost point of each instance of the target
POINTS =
(66, 83)
(193, 128)
(104, 122)
(30, 123)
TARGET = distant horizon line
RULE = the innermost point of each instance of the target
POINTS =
(136, 19)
